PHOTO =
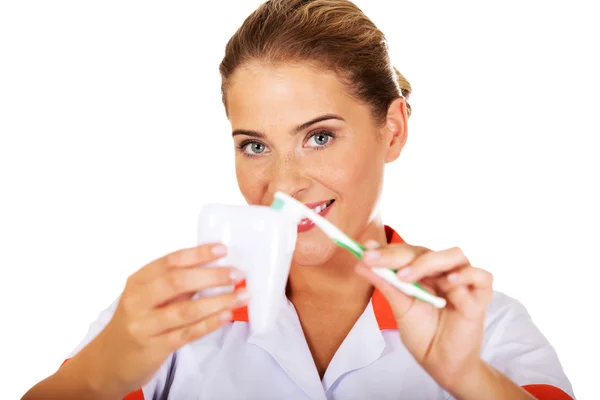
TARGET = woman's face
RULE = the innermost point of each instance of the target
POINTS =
(297, 130)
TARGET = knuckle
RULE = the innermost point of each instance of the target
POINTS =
(133, 330)
(217, 276)
(174, 340)
(489, 277)
(175, 281)
(186, 312)
(192, 332)
(191, 256)
(403, 254)
(202, 252)
(458, 251)
(228, 275)
(236, 297)
(463, 275)
(129, 304)
(130, 281)
(220, 303)
(186, 335)
(424, 254)
(212, 323)
(174, 258)
(171, 316)
(228, 301)
(169, 319)
(422, 250)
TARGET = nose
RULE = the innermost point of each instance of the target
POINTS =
(287, 175)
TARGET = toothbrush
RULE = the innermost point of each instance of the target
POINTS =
(299, 210)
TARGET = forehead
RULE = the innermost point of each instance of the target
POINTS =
(262, 95)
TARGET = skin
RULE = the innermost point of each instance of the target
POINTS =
(156, 313)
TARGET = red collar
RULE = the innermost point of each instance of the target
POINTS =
(381, 308)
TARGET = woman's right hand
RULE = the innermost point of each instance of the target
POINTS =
(156, 315)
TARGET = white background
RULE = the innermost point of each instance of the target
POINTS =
(113, 136)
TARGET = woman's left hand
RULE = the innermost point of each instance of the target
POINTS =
(446, 342)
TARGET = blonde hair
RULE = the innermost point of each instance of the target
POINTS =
(330, 34)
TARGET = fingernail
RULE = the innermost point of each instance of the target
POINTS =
(226, 316)
(236, 275)
(453, 277)
(371, 244)
(242, 296)
(371, 255)
(404, 273)
(219, 250)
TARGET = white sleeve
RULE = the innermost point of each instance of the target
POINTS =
(159, 383)
(96, 327)
(516, 347)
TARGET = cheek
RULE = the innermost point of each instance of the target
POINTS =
(363, 186)
(251, 181)
(357, 176)
(353, 173)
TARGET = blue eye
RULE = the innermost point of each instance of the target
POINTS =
(320, 139)
(253, 148)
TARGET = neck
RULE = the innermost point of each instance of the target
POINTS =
(335, 280)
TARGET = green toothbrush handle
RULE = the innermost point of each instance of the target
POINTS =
(358, 251)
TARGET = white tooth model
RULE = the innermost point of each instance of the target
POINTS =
(260, 242)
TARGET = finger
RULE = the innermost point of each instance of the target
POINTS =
(194, 256)
(190, 257)
(467, 289)
(474, 278)
(399, 301)
(480, 281)
(464, 301)
(177, 338)
(433, 263)
(428, 284)
(177, 282)
(394, 256)
(178, 315)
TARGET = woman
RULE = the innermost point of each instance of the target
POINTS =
(317, 111)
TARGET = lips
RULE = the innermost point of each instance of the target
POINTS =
(322, 208)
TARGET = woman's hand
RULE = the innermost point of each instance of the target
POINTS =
(156, 315)
(446, 342)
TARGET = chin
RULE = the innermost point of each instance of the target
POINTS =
(313, 248)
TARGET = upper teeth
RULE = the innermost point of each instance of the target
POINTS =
(320, 208)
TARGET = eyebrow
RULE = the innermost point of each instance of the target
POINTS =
(296, 130)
